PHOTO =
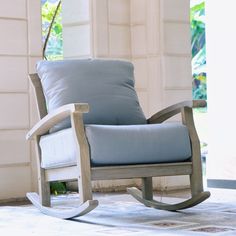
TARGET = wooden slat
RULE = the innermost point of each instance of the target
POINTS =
(121, 172)
(139, 171)
(62, 174)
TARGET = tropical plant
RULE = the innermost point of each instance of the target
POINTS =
(198, 49)
(52, 29)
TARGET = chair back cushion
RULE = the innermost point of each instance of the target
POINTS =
(106, 85)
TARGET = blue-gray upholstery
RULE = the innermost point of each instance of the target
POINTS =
(138, 144)
(106, 85)
(119, 145)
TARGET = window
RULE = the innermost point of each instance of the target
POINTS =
(52, 30)
(198, 49)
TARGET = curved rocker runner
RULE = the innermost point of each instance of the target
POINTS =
(63, 213)
(137, 194)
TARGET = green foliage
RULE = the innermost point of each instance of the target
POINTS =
(197, 17)
(57, 188)
(54, 49)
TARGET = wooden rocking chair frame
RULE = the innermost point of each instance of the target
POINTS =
(84, 173)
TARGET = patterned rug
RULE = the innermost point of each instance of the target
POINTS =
(120, 214)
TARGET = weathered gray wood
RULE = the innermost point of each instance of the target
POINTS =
(83, 157)
(69, 173)
(170, 111)
(147, 189)
(122, 172)
(43, 184)
(48, 121)
(196, 199)
(41, 102)
(196, 176)
(63, 213)
(139, 171)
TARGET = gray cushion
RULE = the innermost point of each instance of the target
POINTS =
(119, 145)
(138, 144)
(106, 85)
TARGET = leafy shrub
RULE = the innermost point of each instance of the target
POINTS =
(198, 44)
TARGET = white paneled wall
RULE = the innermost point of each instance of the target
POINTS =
(12, 41)
(153, 34)
(176, 48)
(145, 40)
(20, 46)
(111, 29)
(76, 28)
(18, 10)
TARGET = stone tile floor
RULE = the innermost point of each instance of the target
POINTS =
(120, 214)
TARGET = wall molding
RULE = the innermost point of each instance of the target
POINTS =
(74, 24)
(20, 164)
(177, 87)
(177, 54)
(14, 92)
(176, 22)
(13, 18)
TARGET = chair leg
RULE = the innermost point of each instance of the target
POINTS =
(44, 189)
(196, 184)
(83, 158)
(196, 176)
(196, 180)
(85, 189)
(147, 189)
(43, 185)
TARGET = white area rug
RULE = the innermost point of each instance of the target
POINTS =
(119, 214)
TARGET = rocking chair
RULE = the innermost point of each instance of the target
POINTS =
(93, 128)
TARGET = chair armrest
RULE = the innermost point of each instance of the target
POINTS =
(55, 117)
(170, 111)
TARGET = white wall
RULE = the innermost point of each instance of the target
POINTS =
(20, 47)
(154, 34)
(221, 51)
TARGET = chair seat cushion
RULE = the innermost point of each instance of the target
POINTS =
(119, 145)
